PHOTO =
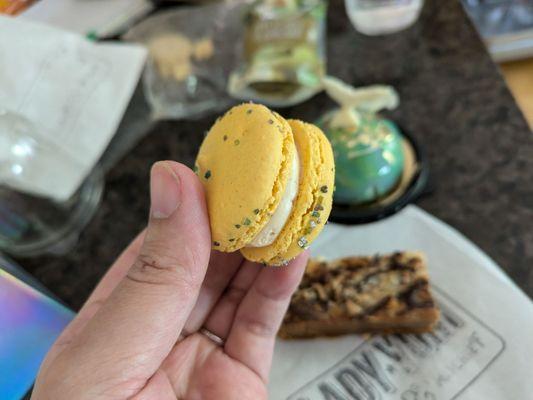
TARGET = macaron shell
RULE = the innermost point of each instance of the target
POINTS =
(244, 164)
(312, 206)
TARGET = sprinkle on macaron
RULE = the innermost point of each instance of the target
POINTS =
(302, 242)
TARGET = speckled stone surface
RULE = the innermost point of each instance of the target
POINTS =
(454, 101)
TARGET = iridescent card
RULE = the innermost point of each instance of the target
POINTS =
(30, 322)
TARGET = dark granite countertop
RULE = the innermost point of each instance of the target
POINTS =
(454, 101)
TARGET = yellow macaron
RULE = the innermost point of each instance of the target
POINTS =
(268, 183)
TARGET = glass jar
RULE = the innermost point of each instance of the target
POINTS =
(32, 223)
(283, 52)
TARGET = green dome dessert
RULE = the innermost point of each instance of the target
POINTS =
(368, 149)
(369, 160)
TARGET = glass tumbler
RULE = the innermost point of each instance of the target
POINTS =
(381, 17)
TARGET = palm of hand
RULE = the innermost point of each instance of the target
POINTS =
(212, 375)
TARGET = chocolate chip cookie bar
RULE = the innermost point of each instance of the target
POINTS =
(383, 294)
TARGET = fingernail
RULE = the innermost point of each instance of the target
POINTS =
(164, 191)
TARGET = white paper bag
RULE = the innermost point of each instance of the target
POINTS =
(481, 348)
(72, 91)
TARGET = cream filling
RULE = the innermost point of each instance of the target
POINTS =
(277, 221)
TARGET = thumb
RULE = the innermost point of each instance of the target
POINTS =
(143, 317)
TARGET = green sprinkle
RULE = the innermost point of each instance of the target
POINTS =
(195, 169)
(302, 242)
(249, 111)
(225, 137)
(232, 239)
(92, 35)
(324, 189)
(315, 214)
(216, 244)
(256, 211)
(237, 142)
(207, 174)
(237, 226)
(247, 221)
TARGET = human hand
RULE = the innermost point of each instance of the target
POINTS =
(144, 333)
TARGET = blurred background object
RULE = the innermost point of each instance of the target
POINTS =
(14, 7)
(519, 77)
(506, 26)
(95, 18)
(507, 29)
